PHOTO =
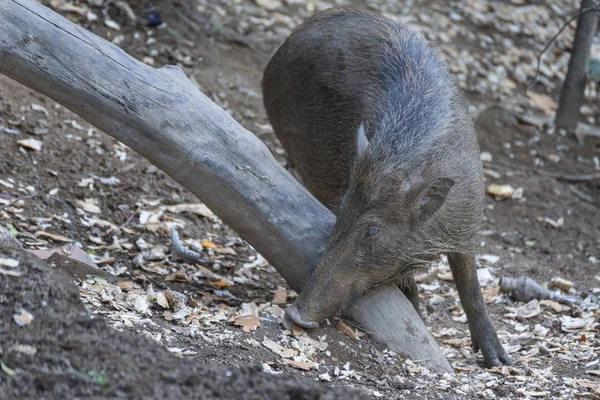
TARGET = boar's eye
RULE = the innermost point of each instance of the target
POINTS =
(371, 231)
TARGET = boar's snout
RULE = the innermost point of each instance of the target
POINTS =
(321, 297)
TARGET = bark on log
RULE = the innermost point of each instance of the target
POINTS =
(162, 116)
(572, 95)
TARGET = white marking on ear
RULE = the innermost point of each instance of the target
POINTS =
(361, 140)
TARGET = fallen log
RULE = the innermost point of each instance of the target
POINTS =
(162, 116)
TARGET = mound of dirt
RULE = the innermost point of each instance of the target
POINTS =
(52, 348)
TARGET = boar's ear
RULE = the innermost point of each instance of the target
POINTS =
(361, 140)
(431, 198)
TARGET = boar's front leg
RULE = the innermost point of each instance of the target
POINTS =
(483, 334)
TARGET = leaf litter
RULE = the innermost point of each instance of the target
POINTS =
(181, 304)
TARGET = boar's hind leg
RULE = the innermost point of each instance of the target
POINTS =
(411, 291)
(483, 334)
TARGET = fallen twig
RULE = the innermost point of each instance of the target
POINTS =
(180, 251)
(582, 195)
(131, 217)
(569, 177)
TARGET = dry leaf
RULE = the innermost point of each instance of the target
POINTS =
(489, 295)
(489, 258)
(269, 4)
(485, 156)
(23, 318)
(208, 244)
(276, 311)
(280, 296)
(138, 302)
(297, 330)
(31, 144)
(179, 276)
(557, 307)
(225, 250)
(303, 365)
(570, 323)
(112, 24)
(161, 300)
(561, 284)
(127, 286)
(279, 350)
(542, 102)
(207, 273)
(196, 208)
(325, 377)
(89, 205)
(458, 343)
(529, 310)
(549, 221)
(24, 349)
(247, 322)
(221, 284)
(53, 236)
(346, 330)
(38, 107)
(500, 191)
(485, 277)
(446, 276)
(151, 219)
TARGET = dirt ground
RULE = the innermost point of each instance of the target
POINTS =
(226, 311)
(79, 357)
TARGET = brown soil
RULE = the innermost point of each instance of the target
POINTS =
(77, 356)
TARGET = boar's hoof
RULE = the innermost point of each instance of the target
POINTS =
(294, 313)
